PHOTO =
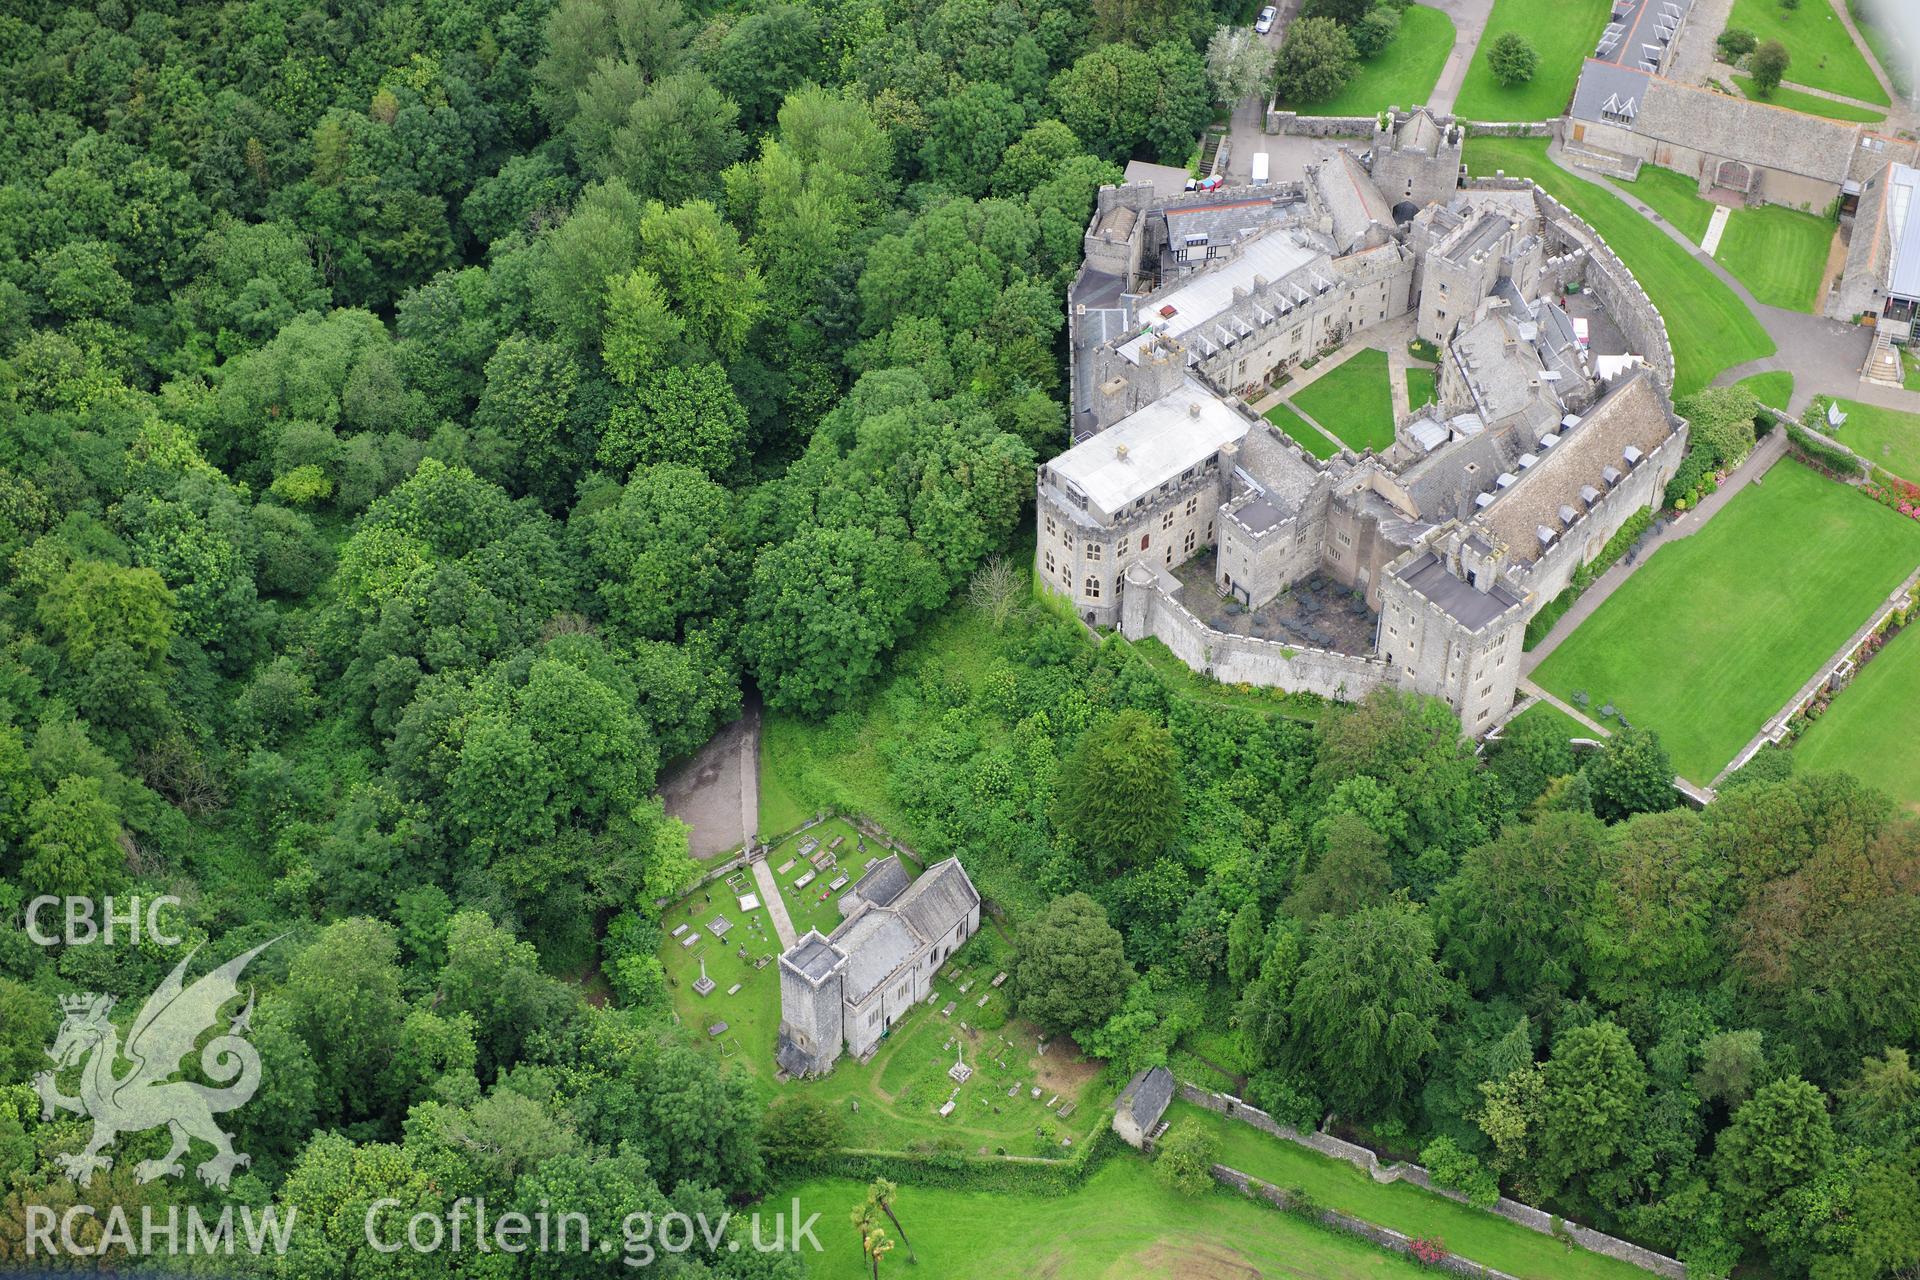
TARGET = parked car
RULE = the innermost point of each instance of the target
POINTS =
(1264, 23)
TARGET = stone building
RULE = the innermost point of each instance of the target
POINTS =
(842, 991)
(1137, 1111)
(1448, 540)
(1416, 158)
(1743, 148)
(1882, 275)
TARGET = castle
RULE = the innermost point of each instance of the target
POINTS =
(842, 991)
(1552, 423)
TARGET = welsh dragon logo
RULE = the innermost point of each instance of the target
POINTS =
(142, 1098)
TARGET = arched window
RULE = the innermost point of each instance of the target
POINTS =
(1093, 587)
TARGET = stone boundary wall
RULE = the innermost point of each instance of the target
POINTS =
(1149, 609)
(1295, 125)
(1382, 1237)
(1607, 276)
(1363, 1158)
(1509, 128)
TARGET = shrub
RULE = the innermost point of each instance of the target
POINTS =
(1458, 1170)
(1373, 33)
(1512, 59)
(1736, 43)
(1183, 1158)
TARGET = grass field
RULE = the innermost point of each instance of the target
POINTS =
(1810, 103)
(1121, 1223)
(1774, 388)
(1910, 370)
(1885, 436)
(1716, 631)
(1403, 74)
(1868, 729)
(1354, 401)
(1824, 55)
(1422, 387)
(1563, 32)
(1302, 432)
(1676, 198)
(1472, 1233)
(1778, 253)
(1710, 328)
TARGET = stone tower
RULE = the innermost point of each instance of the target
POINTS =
(1416, 156)
(812, 1004)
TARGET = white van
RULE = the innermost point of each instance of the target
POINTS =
(1259, 168)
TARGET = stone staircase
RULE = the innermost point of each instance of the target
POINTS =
(1883, 363)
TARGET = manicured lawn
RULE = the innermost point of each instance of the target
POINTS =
(1302, 432)
(1563, 32)
(1885, 436)
(1910, 370)
(1868, 730)
(1422, 387)
(1562, 723)
(1774, 388)
(1824, 55)
(1120, 1223)
(1403, 74)
(1676, 198)
(1716, 631)
(1471, 1233)
(1810, 103)
(1710, 328)
(1354, 401)
(1779, 254)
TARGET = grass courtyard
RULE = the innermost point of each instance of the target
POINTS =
(1868, 729)
(1710, 328)
(1810, 103)
(1563, 32)
(1302, 432)
(1422, 386)
(1353, 400)
(1824, 55)
(1774, 388)
(901, 1089)
(1472, 1233)
(1780, 254)
(1120, 1223)
(1403, 74)
(1675, 197)
(1715, 632)
(1885, 436)
(1563, 724)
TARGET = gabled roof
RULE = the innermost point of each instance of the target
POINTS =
(938, 900)
(1146, 1097)
(883, 881)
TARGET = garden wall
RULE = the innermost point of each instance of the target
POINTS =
(1293, 124)
(1362, 1158)
(1147, 608)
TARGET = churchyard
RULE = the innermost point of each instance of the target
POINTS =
(1016, 1097)
(1715, 632)
(1867, 729)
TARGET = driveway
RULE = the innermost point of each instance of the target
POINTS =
(1469, 21)
(717, 792)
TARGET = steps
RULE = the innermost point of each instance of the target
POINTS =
(1883, 364)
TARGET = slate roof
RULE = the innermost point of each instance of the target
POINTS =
(883, 881)
(1461, 601)
(1146, 1097)
(1351, 197)
(938, 900)
(877, 942)
(812, 956)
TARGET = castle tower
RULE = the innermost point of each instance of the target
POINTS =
(1416, 156)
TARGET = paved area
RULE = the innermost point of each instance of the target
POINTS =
(1469, 21)
(1716, 227)
(776, 905)
(1535, 691)
(717, 792)
(1768, 452)
(1694, 58)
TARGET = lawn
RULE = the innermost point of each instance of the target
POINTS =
(1778, 253)
(1354, 401)
(1302, 432)
(1910, 370)
(1868, 730)
(1676, 198)
(1471, 1233)
(1710, 328)
(1774, 388)
(1811, 103)
(1421, 387)
(1563, 32)
(1885, 436)
(1713, 633)
(1824, 55)
(1562, 723)
(1122, 1222)
(1403, 74)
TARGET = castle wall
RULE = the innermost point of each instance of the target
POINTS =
(1083, 561)
(1476, 672)
(1257, 566)
(1638, 489)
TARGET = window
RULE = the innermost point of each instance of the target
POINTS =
(1169, 553)
(1193, 505)
(1093, 587)
(1049, 562)
(1209, 531)
(1187, 547)
(1095, 551)
(1143, 542)
(1067, 541)
(1346, 539)
(1050, 527)
(1166, 521)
